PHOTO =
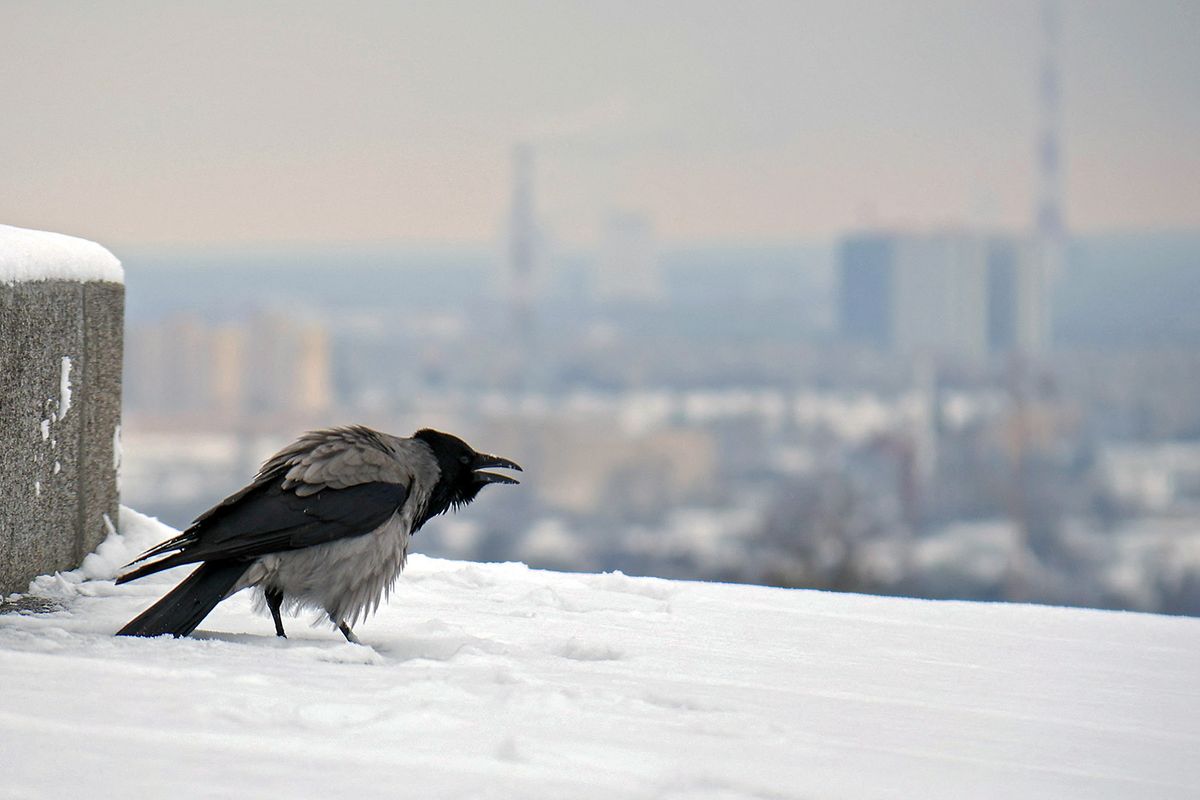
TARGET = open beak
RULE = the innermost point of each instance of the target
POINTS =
(484, 461)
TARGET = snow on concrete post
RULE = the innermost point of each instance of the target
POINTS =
(62, 307)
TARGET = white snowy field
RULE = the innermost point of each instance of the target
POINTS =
(494, 680)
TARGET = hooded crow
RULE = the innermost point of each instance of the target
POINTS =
(325, 524)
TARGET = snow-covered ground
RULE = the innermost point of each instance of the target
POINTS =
(494, 680)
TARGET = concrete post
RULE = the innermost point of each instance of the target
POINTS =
(61, 336)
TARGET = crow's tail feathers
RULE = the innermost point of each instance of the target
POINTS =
(188, 603)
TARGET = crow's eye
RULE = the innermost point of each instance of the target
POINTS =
(465, 459)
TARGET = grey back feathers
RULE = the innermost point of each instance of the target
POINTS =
(341, 457)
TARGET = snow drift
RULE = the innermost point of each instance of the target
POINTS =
(494, 680)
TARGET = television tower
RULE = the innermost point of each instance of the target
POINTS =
(1049, 228)
(1034, 327)
(1049, 209)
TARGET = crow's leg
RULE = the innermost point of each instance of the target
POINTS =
(274, 601)
(349, 634)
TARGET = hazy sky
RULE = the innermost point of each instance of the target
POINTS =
(244, 123)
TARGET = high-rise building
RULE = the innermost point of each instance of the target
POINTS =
(313, 376)
(939, 300)
(289, 367)
(865, 264)
(1003, 293)
(269, 363)
(951, 293)
(229, 348)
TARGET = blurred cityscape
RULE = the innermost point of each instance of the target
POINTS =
(932, 413)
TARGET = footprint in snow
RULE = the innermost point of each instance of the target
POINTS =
(438, 641)
(652, 588)
(329, 651)
(578, 650)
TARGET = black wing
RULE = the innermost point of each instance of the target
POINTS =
(266, 518)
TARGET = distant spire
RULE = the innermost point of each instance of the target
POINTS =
(522, 256)
(1048, 254)
(1049, 222)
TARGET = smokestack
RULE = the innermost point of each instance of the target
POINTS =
(522, 261)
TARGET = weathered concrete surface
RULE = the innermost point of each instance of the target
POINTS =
(60, 412)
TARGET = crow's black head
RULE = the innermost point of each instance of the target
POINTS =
(461, 468)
